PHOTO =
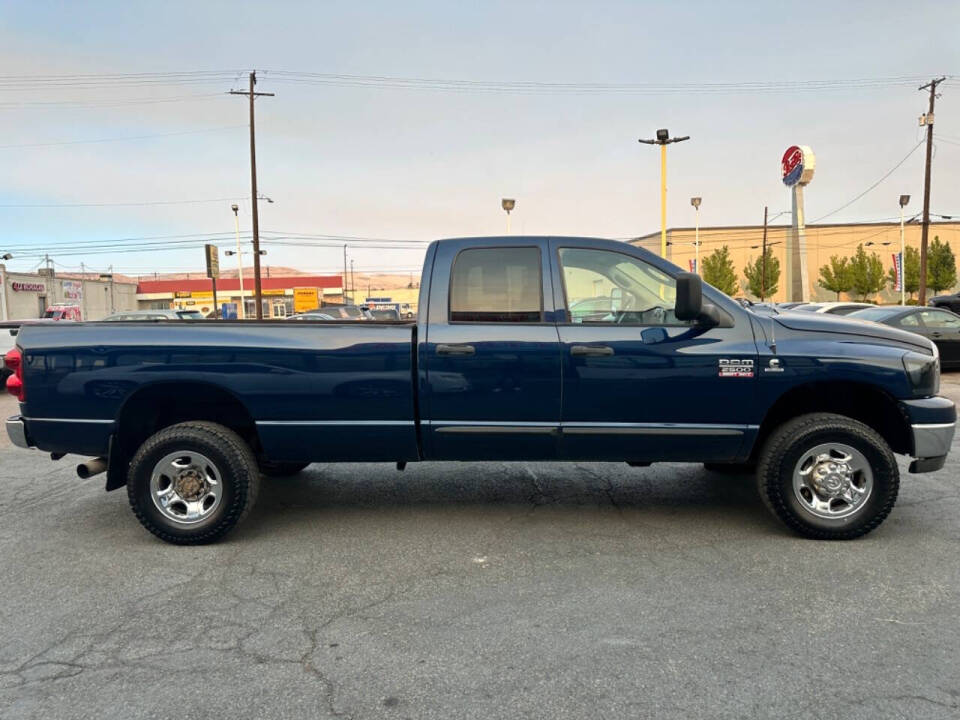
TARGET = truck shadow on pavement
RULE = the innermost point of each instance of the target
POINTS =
(684, 493)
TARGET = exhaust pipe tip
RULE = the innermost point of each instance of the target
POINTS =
(88, 469)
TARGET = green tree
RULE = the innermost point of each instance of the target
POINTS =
(758, 285)
(836, 277)
(718, 270)
(911, 272)
(866, 271)
(941, 266)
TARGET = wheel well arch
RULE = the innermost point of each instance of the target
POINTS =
(867, 403)
(158, 405)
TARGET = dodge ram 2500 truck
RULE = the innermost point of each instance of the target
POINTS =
(525, 348)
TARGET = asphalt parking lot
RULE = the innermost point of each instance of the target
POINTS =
(476, 591)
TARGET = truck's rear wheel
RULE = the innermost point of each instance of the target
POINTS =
(828, 476)
(191, 483)
(281, 469)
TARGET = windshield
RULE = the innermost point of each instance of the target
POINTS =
(191, 315)
(53, 314)
(808, 308)
(875, 314)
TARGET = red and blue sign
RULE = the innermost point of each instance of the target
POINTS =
(898, 271)
(791, 167)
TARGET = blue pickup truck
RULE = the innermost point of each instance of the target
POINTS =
(525, 348)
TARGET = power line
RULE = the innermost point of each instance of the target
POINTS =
(119, 204)
(122, 139)
(888, 174)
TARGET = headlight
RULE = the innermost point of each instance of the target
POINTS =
(923, 371)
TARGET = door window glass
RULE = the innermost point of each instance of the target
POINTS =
(603, 286)
(940, 319)
(909, 321)
(496, 285)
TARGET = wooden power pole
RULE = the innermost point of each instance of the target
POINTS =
(763, 263)
(928, 121)
(258, 288)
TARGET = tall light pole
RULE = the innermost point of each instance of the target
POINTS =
(695, 201)
(904, 199)
(508, 204)
(4, 316)
(236, 222)
(663, 139)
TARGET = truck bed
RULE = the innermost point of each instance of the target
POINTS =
(344, 387)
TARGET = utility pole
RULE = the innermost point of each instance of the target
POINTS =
(353, 284)
(928, 121)
(258, 290)
(344, 281)
(763, 262)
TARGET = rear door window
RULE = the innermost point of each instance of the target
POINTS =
(501, 285)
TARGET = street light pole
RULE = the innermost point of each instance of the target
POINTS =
(243, 302)
(904, 199)
(695, 201)
(508, 204)
(663, 139)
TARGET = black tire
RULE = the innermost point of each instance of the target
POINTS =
(730, 468)
(281, 469)
(237, 470)
(784, 449)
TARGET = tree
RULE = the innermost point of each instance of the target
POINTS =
(911, 272)
(836, 277)
(718, 270)
(941, 266)
(758, 285)
(866, 272)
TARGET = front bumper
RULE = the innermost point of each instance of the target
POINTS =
(933, 423)
(17, 431)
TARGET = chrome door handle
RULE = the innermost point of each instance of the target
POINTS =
(591, 350)
(456, 350)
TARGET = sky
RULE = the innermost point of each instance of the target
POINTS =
(387, 164)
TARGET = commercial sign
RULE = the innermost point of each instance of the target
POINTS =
(213, 261)
(897, 271)
(73, 290)
(305, 299)
(28, 287)
(797, 165)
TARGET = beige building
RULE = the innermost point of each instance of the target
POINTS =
(25, 296)
(823, 240)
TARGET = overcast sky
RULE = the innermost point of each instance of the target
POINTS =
(417, 164)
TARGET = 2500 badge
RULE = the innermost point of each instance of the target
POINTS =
(735, 368)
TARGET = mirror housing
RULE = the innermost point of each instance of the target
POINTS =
(689, 296)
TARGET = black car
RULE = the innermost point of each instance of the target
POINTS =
(939, 325)
(947, 302)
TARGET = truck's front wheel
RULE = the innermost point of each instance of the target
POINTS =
(828, 476)
(191, 483)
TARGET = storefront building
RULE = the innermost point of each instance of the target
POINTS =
(26, 296)
(282, 296)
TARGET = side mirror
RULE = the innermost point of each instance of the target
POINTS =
(689, 297)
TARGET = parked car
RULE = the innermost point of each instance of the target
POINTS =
(7, 343)
(346, 312)
(833, 308)
(146, 315)
(941, 326)
(947, 302)
(790, 305)
(385, 314)
(63, 312)
(498, 368)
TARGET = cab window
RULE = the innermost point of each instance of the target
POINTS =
(603, 286)
(499, 285)
(940, 319)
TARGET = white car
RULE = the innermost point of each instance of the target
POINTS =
(7, 341)
(833, 308)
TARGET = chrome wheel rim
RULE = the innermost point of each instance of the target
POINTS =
(186, 487)
(832, 481)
